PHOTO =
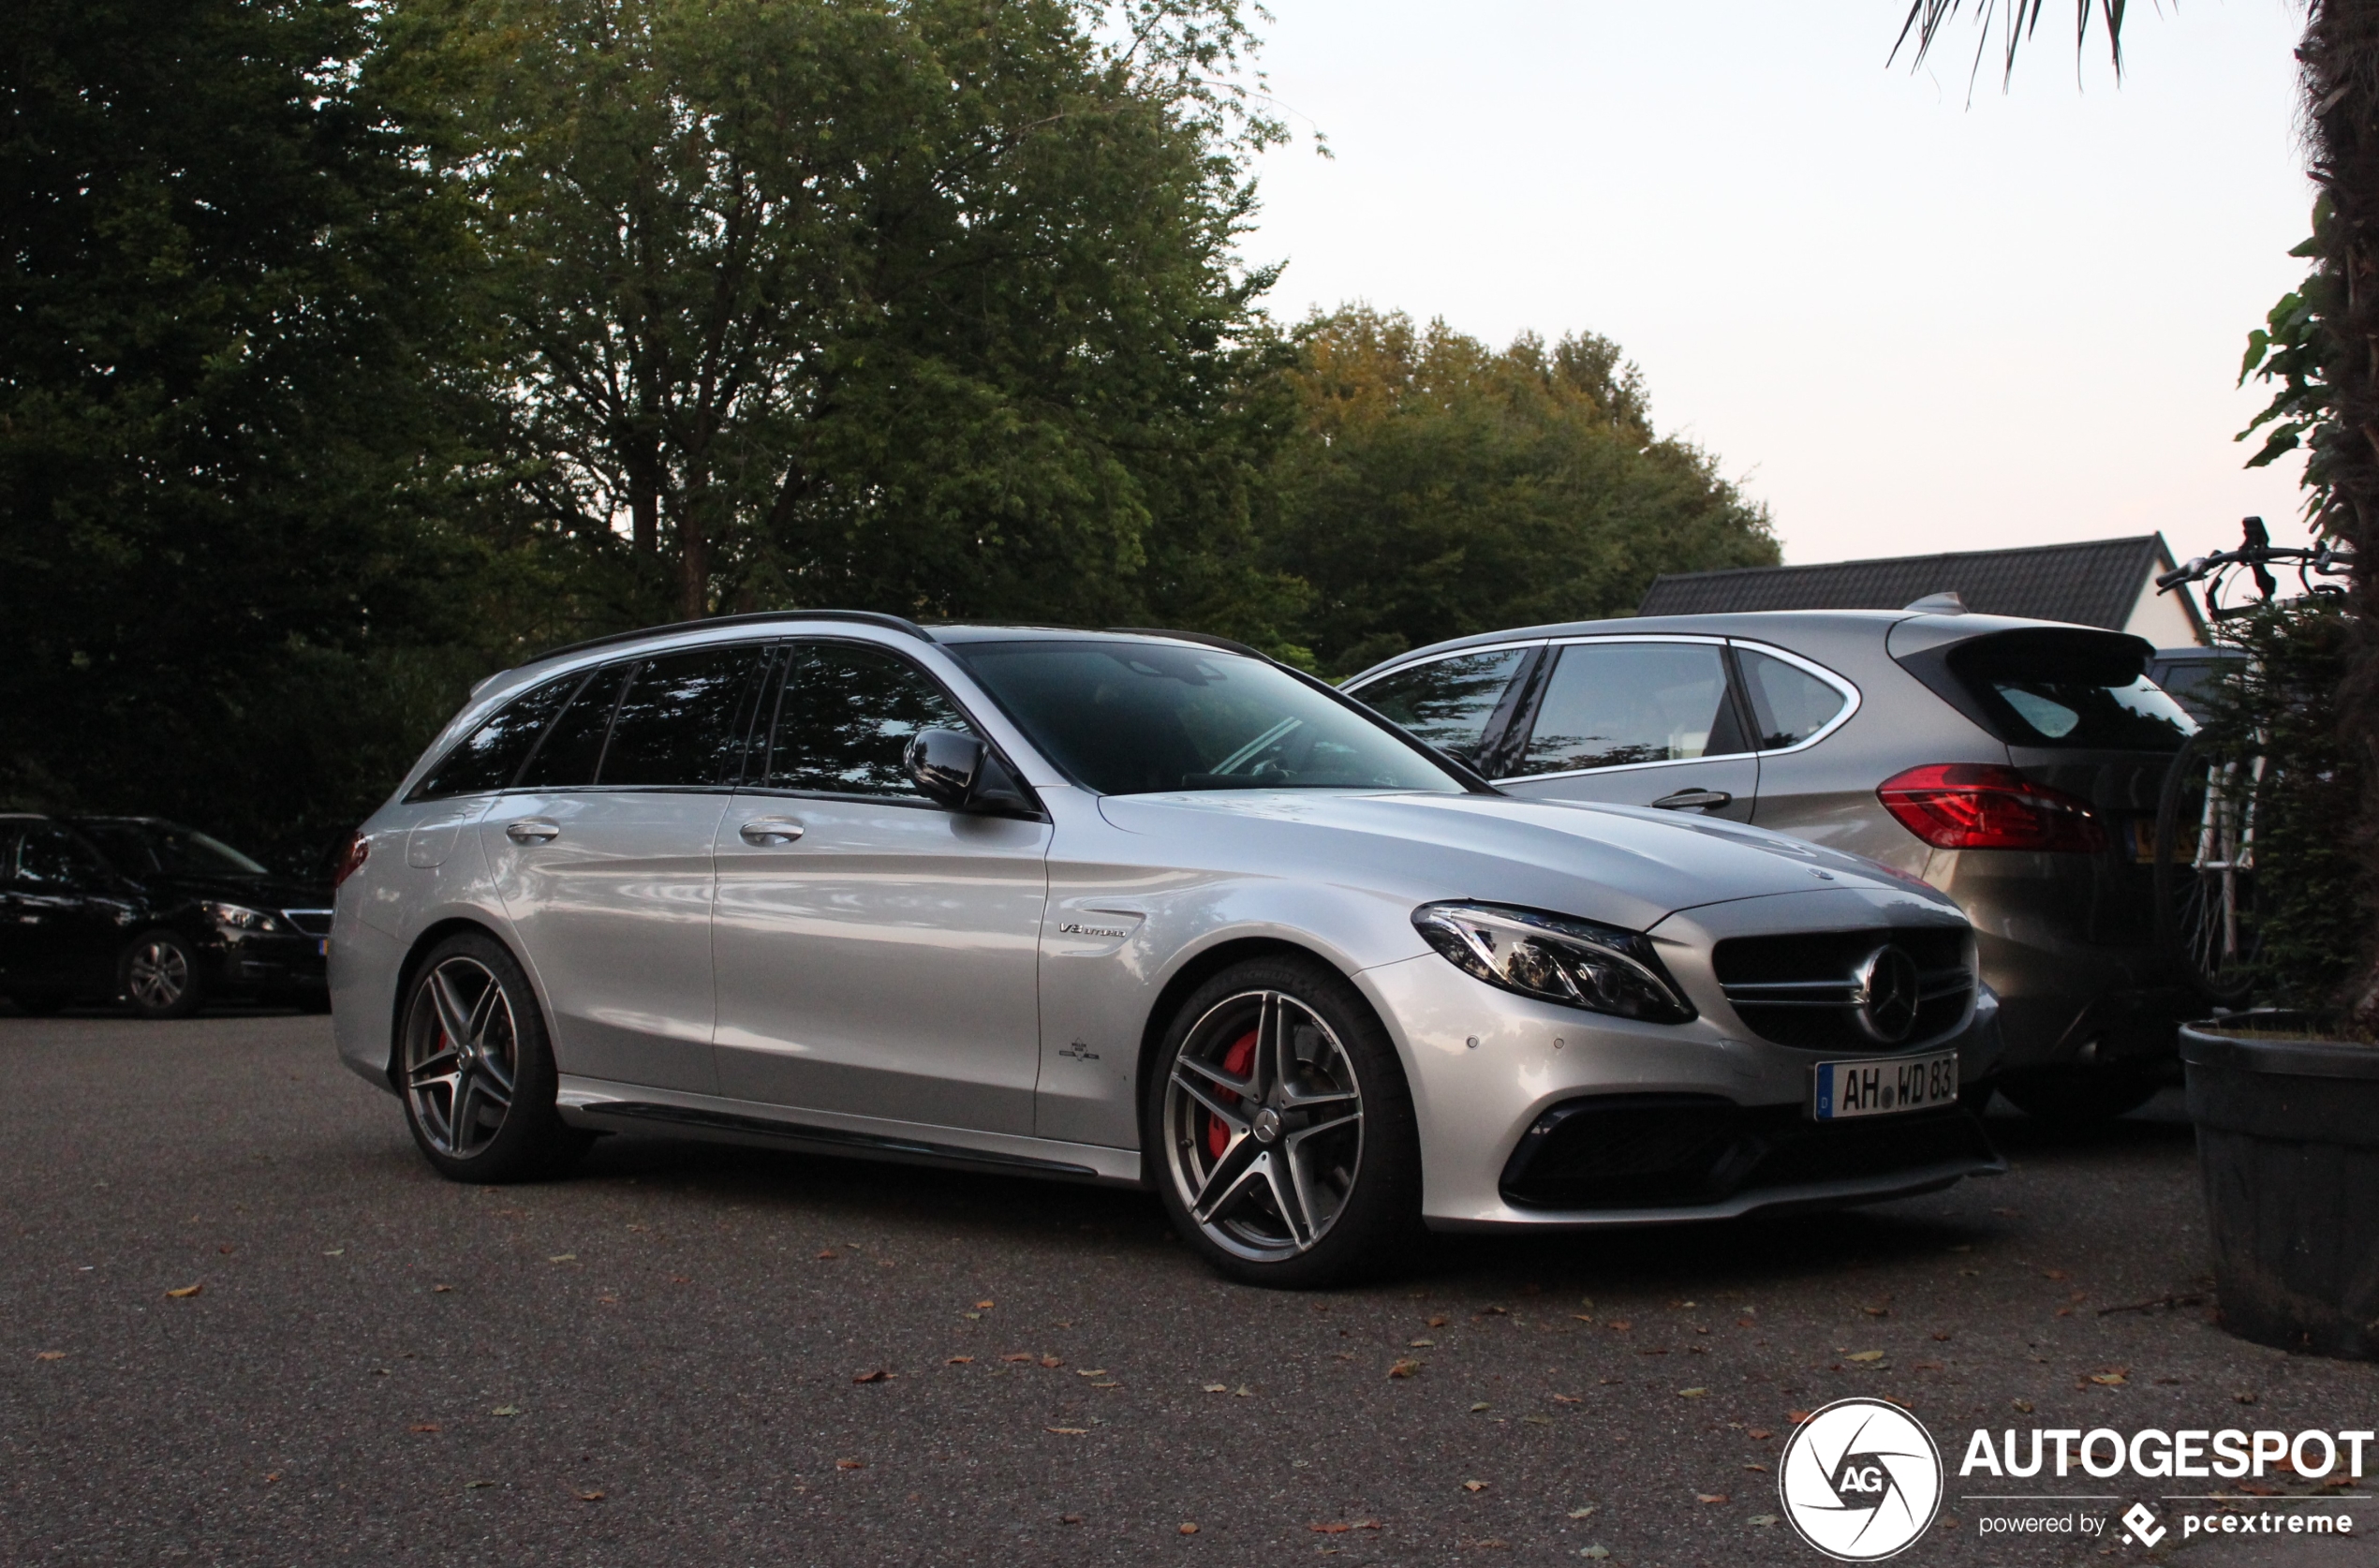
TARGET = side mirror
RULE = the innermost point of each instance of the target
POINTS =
(957, 770)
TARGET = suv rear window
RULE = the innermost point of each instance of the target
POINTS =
(2071, 690)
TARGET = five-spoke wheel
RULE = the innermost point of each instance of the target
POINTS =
(475, 1068)
(1282, 1126)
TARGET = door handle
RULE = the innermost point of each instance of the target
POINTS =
(533, 830)
(1690, 800)
(769, 830)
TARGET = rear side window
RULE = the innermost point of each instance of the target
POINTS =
(572, 746)
(494, 752)
(680, 724)
(2079, 691)
(1788, 704)
(53, 860)
(1447, 701)
(1613, 704)
(845, 717)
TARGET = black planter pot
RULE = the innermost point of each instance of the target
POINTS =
(2288, 1141)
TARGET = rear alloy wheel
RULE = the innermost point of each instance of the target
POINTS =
(160, 975)
(1283, 1131)
(476, 1071)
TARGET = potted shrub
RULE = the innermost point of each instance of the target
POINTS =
(2286, 1098)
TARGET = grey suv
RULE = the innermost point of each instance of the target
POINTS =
(2014, 764)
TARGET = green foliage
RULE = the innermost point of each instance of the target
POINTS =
(212, 413)
(2288, 349)
(2282, 703)
(1439, 487)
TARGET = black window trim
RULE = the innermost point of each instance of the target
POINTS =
(760, 743)
(1516, 691)
(1852, 696)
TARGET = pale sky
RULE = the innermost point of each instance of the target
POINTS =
(1905, 323)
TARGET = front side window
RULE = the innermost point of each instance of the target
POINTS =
(1788, 704)
(1446, 702)
(142, 849)
(845, 716)
(679, 725)
(491, 754)
(572, 749)
(1615, 705)
(1128, 719)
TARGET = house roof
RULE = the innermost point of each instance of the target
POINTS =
(2092, 584)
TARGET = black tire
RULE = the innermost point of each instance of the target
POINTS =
(38, 1004)
(158, 975)
(502, 1086)
(2079, 1096)
(2190, 926)
(1368, 1176)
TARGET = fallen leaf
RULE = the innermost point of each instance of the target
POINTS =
(2023, 1407)
(1712, 1498)
(1091, 1371)
(51, 1355)
(1583, 1317)
(1762, 1433)
(1762, 1469)
(2256, 1488)
(1051, 1361)
(958, 1361)
(2108, 1380)
(1762, 1520)
(1188, 1530)
(1877, 1311)
(850, 1464)
(1598, 1553)
(1796, 1416)
(1536, 1421)
(1404, 1369)
(1655, 1350)
(422, 1427)
(1495, 1312)
(1927, 1366)
(1437, 1323)
(1567, 1399)
(1107, 1383)
(1020, 1355)
(334, 1252)
(1622, 1327)
(1944, 1336)
(188, 1290)
(823, 1254)
(1070, 1518)
(1422, 1344)
(1243, 1392)
(506, 1410)
(590, 1497)
(1690, 1393)
(1584, 1513)
(608, 1300)
(1217, 1388)
(475, 1485)
(563, 1257)
(1068, 1431)
(225, 1251)
(878, 1375)
(1480, 1406)
(1866, 1355)
(2247, 1398)
(2053, 1274)
(441, 1290)
(1475, 1485)
(681, 1278)
(982, 1306)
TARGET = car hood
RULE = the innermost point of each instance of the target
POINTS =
(1628, 866)
(257, 893)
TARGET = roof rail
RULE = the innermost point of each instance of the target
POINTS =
(1224, 643)
(757, 617)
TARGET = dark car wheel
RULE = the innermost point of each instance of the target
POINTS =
(158, 975)
(2078, 1096)
(475, 1070)
(1280, 1133)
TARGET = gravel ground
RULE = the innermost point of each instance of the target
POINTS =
(695, 1354)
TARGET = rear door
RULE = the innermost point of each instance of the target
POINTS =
(878, 953)
(602, 857)
(1638, 721)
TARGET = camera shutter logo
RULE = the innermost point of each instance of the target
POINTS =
(1861, 1480)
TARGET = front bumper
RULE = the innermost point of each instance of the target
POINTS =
(268, 962)
(1486, 1067)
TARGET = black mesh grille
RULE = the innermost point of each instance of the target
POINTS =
(1833, 956)
(1685, 1151)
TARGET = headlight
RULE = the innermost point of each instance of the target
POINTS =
(239, 917)
(1556, 958)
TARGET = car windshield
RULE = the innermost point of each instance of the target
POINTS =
(1130, 718)
(146, 849)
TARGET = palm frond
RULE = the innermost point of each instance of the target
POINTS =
(2016, 21)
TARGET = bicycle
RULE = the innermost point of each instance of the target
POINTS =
(2204, 862)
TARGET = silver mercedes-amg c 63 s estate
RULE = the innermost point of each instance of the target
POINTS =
(1130, 908)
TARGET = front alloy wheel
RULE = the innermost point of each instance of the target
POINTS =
(1288, 1149)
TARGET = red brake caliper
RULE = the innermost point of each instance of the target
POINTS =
(1235, 1061)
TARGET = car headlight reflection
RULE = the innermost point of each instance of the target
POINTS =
(1556, 958)
(238, 917)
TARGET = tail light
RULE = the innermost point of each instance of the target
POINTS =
(1980, 805)
(351, 858)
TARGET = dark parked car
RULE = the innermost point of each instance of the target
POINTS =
(159, 916)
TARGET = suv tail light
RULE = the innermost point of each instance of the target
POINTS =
(1980, 805)
(351, 858)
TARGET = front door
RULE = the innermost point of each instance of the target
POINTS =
(603, 861)
(877, 954)
(1638, 721)
(63, 913)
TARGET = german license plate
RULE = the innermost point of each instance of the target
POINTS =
(1842, 1090)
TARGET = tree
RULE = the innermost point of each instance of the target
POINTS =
(925, 305)
(216, 589)
(1439, 487)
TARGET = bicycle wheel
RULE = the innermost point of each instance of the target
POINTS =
(2205, 871)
